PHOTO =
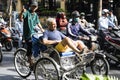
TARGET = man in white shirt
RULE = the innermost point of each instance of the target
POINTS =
(104, 22)
(112, 17)
(19, 31)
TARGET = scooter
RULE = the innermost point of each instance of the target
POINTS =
(111, 47)
(5, 37)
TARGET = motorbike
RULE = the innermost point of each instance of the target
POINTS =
(99, 65)
(5, 37)
(111, 46)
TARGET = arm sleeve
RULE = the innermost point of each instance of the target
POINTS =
(38, 21)
(25, 14)
(115, 18)
(110, 23)
(69, 32)
(84, 31)
(45, 35)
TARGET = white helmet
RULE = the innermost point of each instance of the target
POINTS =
(105, 11)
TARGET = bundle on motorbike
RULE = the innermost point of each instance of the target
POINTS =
(5, 37)
(111, 45)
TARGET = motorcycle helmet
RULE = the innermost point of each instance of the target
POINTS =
(75, 14)
(104, 11)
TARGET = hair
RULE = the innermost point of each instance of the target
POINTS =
(50, 20)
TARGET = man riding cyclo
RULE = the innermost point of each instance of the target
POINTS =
(60, 42)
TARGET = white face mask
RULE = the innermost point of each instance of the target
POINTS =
(76, 19)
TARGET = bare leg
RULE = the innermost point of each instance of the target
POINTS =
(75, 47)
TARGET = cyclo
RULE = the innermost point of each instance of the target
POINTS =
(53, 65)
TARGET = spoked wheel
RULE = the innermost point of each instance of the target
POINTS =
(1, 55)
(21, 63)
(46, 69)
(100, 66)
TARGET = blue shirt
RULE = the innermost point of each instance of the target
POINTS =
(73, 31)
(53, 35)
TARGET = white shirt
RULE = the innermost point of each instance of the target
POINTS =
(112, 18)
(104, 22)
(19, 27)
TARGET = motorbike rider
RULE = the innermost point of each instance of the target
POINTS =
(76, 31)
(61, 22)
(19, 31)
(83, 21)
(112, 17)
(104, 24)
(2, 21)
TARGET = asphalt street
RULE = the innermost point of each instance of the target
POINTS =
(7, 69)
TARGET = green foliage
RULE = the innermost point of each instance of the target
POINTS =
(48, 13)
(60, 10)
(96, 77)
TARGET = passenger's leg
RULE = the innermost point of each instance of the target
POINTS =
(72, 44)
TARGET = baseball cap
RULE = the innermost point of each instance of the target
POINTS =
(34, 4)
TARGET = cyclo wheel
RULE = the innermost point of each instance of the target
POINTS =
(100, 66)
(21, 63)
(46, 69)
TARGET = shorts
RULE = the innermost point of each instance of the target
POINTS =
(60, 48)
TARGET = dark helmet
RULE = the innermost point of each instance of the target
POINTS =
(75, 14)
(34, 3)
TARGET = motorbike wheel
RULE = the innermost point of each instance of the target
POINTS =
(99, 66)
(1, 55)
(8, 45)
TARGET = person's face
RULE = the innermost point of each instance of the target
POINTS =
(34, 8)
(110, 13)
(52, 26)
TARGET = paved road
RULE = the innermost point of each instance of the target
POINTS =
(7, 70)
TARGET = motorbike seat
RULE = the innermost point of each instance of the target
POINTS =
(114, 40)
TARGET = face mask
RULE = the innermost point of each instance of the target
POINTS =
(75, 19)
